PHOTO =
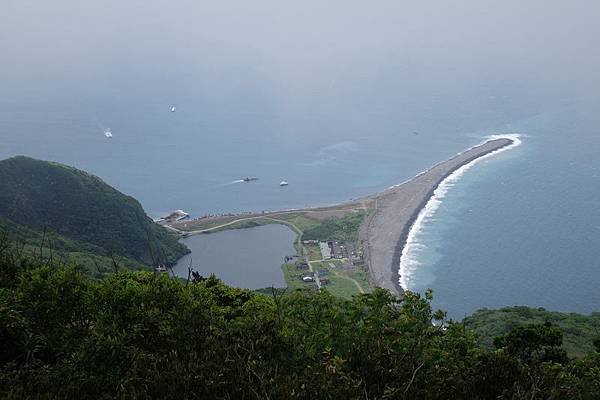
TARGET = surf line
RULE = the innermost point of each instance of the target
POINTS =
(408, 259)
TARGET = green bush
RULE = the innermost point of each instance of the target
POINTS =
(342, 229)
(138, 335)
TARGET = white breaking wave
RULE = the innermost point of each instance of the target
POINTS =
(409, 260)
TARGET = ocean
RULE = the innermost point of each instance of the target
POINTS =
(518, 228)
(361, 101)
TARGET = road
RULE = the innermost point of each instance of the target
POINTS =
(278, 221)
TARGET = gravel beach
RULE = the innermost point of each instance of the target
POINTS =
(385, 230)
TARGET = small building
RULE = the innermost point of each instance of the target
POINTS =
(308, 279)
(341, 250)
(325, 250)
(302, 265)
(325, 281)
(323, 272)
(310, 241)
(336, 250)
(160, 269)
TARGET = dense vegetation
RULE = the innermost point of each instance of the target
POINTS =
(579, 331)
(77, 213)
(342, 229)
(138, 335)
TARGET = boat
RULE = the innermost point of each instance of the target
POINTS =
(283, 183)
(249, 179)
(108, 133)
(173, 108)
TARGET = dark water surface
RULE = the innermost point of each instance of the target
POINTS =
(249, 258)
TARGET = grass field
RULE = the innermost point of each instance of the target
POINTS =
(340, 285)
(314, 252)
(292, 277)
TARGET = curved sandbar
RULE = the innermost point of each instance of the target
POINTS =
(385, 231)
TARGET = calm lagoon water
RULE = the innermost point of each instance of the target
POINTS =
(249, 258)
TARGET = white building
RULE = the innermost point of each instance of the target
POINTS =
(325, 250)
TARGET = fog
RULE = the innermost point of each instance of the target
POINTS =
(348, 55)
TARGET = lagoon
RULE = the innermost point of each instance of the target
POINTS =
(247, 258)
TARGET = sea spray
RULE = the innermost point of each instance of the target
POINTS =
(409, 259)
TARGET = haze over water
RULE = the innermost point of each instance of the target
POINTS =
(340, 99)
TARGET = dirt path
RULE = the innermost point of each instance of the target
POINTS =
(360, 289)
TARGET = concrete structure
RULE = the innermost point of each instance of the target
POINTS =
(325, 250)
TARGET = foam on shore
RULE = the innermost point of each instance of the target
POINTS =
(409, 258)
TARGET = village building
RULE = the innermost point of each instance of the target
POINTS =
(325, 250)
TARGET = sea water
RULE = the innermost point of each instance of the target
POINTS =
(340, 100)
(518, 228)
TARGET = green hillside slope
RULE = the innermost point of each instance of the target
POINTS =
(579, 330)
(81, 209)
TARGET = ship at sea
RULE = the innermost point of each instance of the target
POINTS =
(249, 179)
(283, 183)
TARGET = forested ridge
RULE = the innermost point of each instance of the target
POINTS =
(79, 215)
(139, 335)
(579, 331)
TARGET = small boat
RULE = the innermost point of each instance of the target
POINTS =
(283, 183)
(108, 133)
(173, 108)
(249, 179)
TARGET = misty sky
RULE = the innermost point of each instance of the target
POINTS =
(293, 51)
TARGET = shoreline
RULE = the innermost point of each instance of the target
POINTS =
(391, 215)
(431, 205)
(387, 230)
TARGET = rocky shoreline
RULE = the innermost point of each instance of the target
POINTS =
(385, 231)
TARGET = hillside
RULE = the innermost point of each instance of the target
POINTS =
(80, 212)
(579, 330)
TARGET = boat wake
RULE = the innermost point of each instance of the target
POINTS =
(409, 260)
